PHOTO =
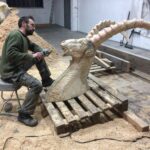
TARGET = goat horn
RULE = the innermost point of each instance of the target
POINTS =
(113, 29)
(99, 27)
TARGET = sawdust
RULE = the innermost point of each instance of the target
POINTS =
(113, 135)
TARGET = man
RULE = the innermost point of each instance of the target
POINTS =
(16, 61)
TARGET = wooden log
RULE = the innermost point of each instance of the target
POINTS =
(137, 122)
(97, 100)
(115, 93)
(78, 109)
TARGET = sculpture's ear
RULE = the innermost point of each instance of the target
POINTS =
(90, 50)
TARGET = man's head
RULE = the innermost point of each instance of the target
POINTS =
(27, 25)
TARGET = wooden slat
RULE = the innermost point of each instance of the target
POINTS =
(97, 100)
(138, 123)
(78, 109)
(66, 112)
(106, 97)
(95, 67)
(88, 105)
(106, 60)
(102, 69)
(101, 62)
(115, 93)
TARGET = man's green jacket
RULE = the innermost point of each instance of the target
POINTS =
(15, 53)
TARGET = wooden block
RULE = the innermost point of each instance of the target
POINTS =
(138, 123)
(101, 62)
(59, 122)
(78, 109)
(111, 115)
(66, 112)
(97, 100)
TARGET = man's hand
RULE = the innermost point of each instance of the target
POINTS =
(38, 55)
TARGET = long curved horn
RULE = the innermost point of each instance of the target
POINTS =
(108, 32)
(101, 25)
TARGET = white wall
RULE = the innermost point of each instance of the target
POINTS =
(41, 15)
(92, 12)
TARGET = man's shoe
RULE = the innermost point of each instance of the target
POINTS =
(27, 120)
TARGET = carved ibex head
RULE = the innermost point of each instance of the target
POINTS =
(84, 46)
(73, 82)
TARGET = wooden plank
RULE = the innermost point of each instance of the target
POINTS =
(101, 62)
(78, 109)
(97, 100)
(60, 124)
(102, 69)
(98, 54)
(95, 67)
(141, 74)
(89, 105)
(112, 91)
(138, 123)
(66, 112)
(106, 97)
(120, 63)
(106, 60)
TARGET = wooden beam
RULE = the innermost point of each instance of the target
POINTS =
(137, 122)
(120, 63)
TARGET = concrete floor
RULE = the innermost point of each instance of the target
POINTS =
(54, 34)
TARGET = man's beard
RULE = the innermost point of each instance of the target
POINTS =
(29, 32)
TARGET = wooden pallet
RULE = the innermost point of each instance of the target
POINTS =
(95, 106)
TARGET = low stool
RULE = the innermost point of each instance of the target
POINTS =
(8, 87)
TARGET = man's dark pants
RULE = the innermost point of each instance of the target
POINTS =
(22, 78)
